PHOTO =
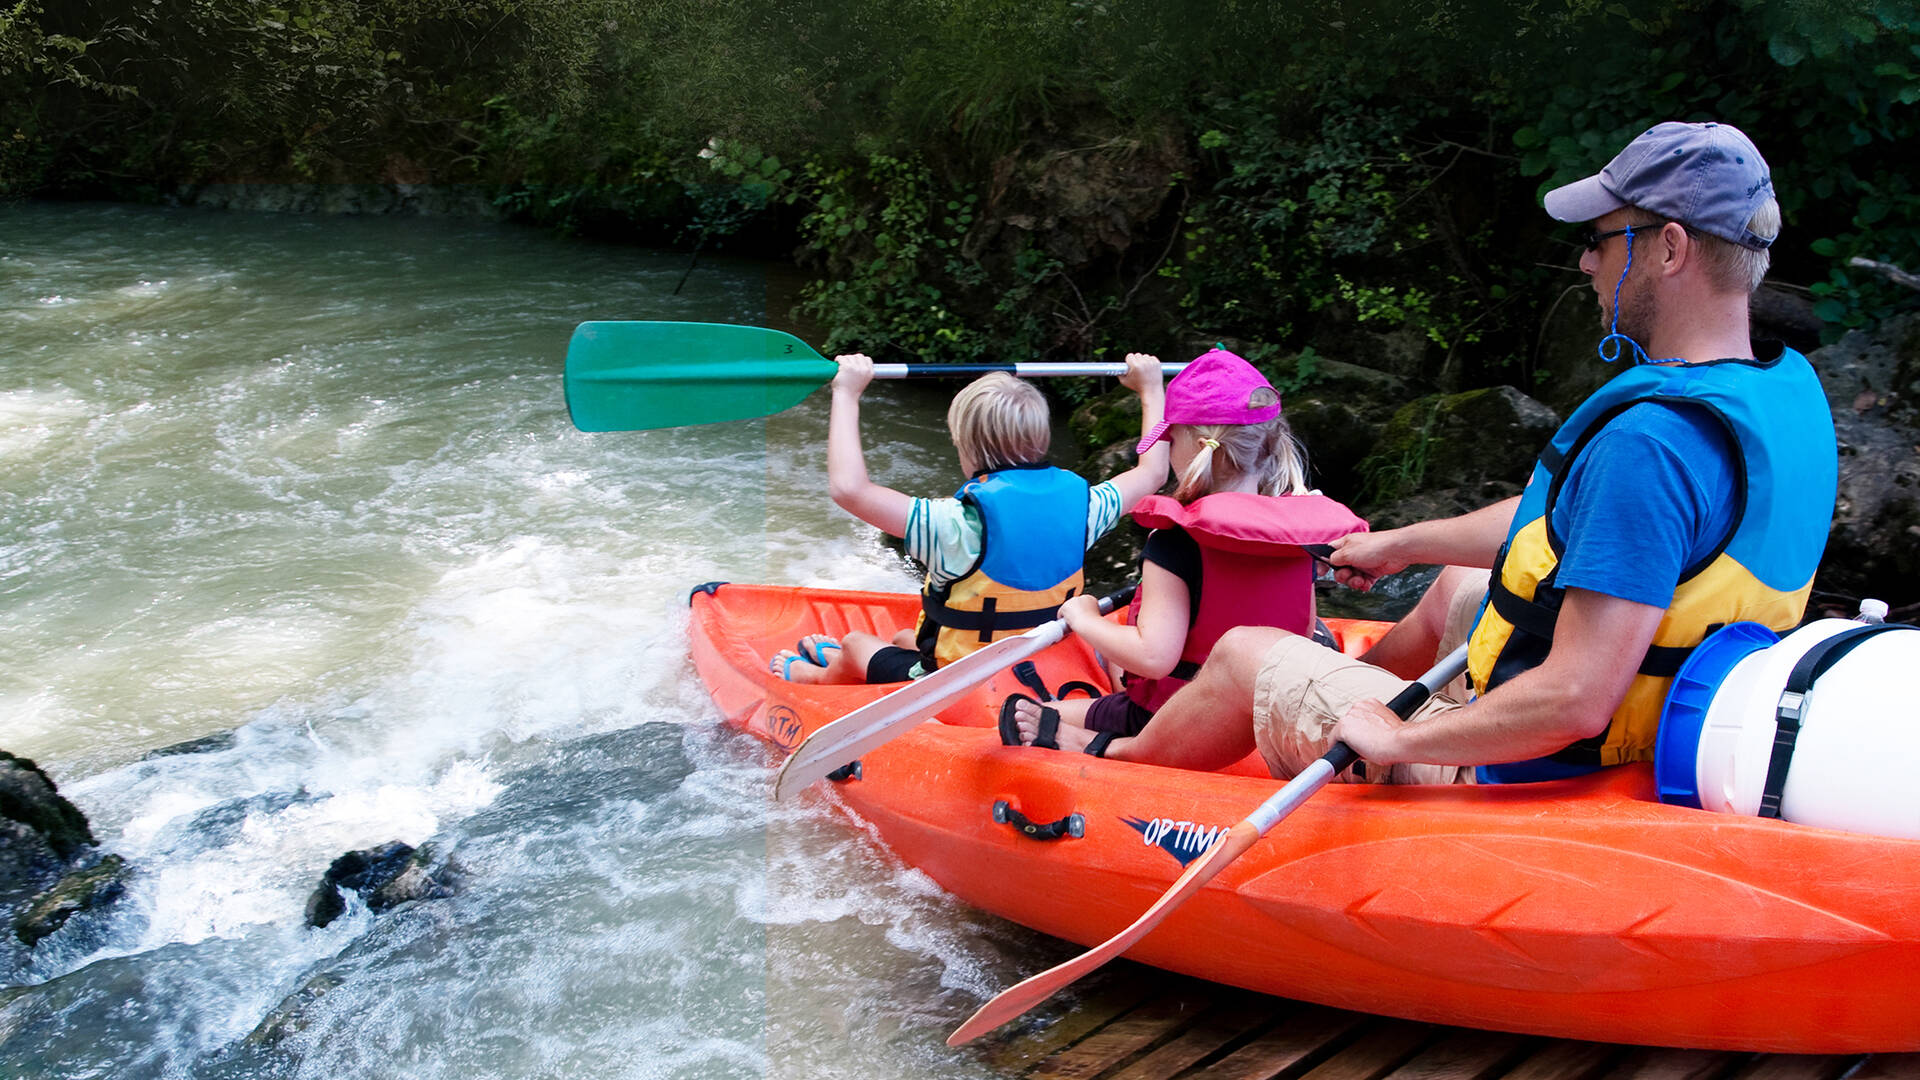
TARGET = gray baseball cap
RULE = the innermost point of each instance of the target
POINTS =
(1708, 176)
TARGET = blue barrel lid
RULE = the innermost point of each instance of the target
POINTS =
(1677, 747)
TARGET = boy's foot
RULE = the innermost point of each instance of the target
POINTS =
(793, 667)
(813, 649)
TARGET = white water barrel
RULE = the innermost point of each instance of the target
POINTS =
(1856, 762)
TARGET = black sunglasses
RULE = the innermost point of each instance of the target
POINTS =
(1593, 240)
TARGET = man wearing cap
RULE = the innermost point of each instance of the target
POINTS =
(1694, 489)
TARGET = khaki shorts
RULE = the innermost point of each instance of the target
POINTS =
(1304, 688)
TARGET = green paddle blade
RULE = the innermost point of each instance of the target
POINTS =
(637, 376)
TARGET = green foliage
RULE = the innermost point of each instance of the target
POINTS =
(1305, 371)
(1344, 167)
(894, 238)
(1827, 88)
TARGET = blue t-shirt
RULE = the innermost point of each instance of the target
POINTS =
(1651, 495)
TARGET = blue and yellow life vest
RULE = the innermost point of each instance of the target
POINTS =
(1032, 547)
(1784, 480)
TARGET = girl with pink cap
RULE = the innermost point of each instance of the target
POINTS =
(1228, 549)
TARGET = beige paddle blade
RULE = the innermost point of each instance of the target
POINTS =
(1016, 1000)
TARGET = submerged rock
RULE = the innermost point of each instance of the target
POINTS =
(205, 744)
(385, 877)
(82, 890)
(294, 1012)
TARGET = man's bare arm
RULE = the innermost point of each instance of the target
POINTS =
(1597, 647)
(1468, 540)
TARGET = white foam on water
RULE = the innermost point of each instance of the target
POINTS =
(29, 419)
(375, 550)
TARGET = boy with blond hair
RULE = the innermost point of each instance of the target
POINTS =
(1004, 552)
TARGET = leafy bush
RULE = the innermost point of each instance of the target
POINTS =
(1344, 165)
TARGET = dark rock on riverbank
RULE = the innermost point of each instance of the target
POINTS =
(28, 797)
(1449, 453)
(47, 874)
(385, 877)
(1872, 380)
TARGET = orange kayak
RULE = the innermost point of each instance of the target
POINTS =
(1577, 908)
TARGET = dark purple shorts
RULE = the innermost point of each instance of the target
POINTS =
(1117, 713)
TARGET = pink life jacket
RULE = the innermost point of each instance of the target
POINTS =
(1253, 571)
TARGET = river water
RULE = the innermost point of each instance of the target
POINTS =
(307, 485)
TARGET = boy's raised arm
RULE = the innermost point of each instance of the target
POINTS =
(882, 507)
(1149, 474)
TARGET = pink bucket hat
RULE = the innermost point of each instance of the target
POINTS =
(1217, 388)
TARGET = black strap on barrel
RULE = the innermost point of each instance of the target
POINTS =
(1793, 704)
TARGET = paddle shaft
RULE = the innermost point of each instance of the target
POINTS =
(884, 719)
(1025, 371)
(1233, 842)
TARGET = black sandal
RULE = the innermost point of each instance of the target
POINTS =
(1010, 728)
(1098, 747)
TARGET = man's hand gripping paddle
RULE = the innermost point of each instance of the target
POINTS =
(1017, 999)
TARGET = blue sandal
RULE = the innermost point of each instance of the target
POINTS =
(786, 666)
(817, 654)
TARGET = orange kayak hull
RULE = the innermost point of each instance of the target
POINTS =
(1577, 909)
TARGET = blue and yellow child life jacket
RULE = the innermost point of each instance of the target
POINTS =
(1785, 479)
(1032, 548)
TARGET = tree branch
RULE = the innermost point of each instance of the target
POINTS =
(1887, 270)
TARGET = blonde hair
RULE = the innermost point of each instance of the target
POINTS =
(1734, 267)
(997, 420)
(1267, 452)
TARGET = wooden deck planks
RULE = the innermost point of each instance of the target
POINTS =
(1460, 1054)
(1564, 1059)
(1118, 991)
(1379, 1047)
(1124, 1037)
(1228, 1025)
(1137, 1024)
(1796, 1067)
(1305, 1034)
(1888, 1067)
